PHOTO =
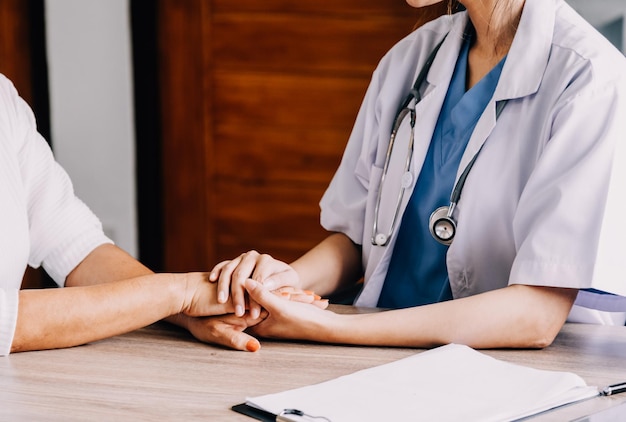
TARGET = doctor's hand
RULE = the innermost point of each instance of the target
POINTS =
(290, 319)
(231, 276)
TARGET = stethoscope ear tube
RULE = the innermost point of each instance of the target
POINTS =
(379, 238)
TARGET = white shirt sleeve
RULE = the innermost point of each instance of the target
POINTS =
(8, 318)
(42, 222)
(62, 229)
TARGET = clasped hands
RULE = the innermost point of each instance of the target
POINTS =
(246, 282)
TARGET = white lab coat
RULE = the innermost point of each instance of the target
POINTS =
(544, 203)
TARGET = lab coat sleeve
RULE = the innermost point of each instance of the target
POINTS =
(569, 227)
(608, 289)
(62, 229)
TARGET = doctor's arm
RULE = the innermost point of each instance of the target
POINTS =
(110, 293)
(518, 316)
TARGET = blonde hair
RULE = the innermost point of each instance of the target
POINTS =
(508, 19)
(503, 20)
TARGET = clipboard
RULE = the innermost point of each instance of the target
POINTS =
(426, 383)
(253, 412)
(287, 415)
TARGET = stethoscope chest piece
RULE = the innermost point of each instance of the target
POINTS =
(442, 225)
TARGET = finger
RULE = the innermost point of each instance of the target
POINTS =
(233, 337)
(238, 293)
(251, 343)
(303, 297)
(307, 296)
(261, 295)
(244, 341)
(280, 290)
(244, 269)
(290, 290)
(224, 280)
(264, 267)
(322, 303)
(286, 277)
(254, 309)
(215, 272)
(237, 283)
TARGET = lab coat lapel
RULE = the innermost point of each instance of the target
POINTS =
(522, 72)
(434, 91)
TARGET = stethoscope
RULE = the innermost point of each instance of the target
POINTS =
(441, 224)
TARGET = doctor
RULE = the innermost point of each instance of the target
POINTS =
(481, 189)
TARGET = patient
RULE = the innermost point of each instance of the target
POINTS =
(107, 291)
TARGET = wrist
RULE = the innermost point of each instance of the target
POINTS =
(344, 329)
(329, 328)
(177, 288)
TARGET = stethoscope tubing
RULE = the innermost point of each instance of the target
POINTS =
(442, 224)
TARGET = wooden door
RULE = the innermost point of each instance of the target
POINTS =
(257, 102)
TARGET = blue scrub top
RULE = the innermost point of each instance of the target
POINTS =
(417, 273)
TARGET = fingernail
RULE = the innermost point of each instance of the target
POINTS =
(309, 292)
(318, 297)
(221, 297)
(255, 313)
(252, 345)
(239, 310)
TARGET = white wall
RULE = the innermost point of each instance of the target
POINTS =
(601, 12)
(92, 122)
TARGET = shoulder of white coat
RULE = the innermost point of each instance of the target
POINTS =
(588, 49)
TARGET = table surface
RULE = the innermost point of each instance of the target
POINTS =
(161, 373)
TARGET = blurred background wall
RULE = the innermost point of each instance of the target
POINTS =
(89, 55)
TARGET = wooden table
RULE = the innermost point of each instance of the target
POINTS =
(161, 373)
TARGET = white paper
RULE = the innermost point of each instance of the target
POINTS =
(449, 383)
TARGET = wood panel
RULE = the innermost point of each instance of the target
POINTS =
(187, 220)
(15, 59)
(301, 44)
(259, 98)
(348, 8)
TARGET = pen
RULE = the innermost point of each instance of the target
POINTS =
(614, 389)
